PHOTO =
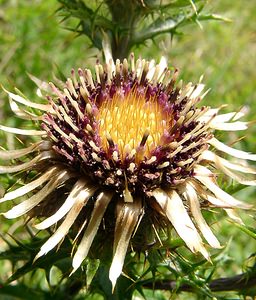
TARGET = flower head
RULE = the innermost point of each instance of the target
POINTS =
(121, 146)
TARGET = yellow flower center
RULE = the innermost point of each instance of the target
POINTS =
(132, 121)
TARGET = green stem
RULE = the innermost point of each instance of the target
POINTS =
(125, 15)
(241, 282)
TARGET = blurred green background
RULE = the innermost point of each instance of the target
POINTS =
(33, 40)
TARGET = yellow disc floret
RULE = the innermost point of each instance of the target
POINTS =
(131, 121)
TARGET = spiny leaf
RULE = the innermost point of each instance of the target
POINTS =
(43, 263)
(21, 291)
(159, 26)
(92, 266)
(206, 17)
(130, 23)
(250, 231)
(171, 5)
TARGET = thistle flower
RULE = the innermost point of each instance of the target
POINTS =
(125, 145)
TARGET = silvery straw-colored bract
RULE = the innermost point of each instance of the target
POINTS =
(120, 145)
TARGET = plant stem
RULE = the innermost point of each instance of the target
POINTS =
(239, 282)
(125, 15)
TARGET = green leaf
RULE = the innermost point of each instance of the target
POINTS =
(207, 17)
(92, 266)
(160, 26)
(46, 262)
(129, 23)
(248, 230)
(21, 291)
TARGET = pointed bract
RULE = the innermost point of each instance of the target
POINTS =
(175, 211)
(126, 221)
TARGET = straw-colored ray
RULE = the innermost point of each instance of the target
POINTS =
(127, 219)
(99, 209)
(80, 201)
(192, 198)
(173, 207)
(25, 206)
(204, 176)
